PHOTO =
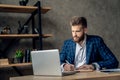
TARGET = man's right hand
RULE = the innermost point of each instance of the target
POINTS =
(68, 67)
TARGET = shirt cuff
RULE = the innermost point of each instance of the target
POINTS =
(62, 69)
(97, 66)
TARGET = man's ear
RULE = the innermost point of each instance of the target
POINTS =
(85, 30)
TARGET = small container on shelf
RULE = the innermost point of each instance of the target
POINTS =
(4, 62)
(23, 2)
(6, 30)
(27, 55)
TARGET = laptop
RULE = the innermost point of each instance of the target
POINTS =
(47, 63)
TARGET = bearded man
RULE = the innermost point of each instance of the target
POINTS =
(85, 51)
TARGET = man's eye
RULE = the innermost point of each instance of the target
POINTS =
(78, 31)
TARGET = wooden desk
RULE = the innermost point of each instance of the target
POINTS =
(78, 76)
(14, 66)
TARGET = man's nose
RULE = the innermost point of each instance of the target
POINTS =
(74, 34)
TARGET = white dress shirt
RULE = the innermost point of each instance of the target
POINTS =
(80, 54)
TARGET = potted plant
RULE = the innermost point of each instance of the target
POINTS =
(23, 2)
(19, 56)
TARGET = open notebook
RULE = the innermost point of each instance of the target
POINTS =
(47, 63)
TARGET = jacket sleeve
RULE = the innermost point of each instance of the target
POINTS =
(108, 58)
(63, 53)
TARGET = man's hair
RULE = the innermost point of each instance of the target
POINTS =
(78, 21)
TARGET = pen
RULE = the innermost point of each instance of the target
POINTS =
(67, 62)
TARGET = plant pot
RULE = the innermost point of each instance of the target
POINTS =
(19, 60)
(22, 3)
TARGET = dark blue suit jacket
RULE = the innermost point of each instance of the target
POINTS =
(96, 51)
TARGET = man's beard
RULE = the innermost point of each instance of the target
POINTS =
(79, 39)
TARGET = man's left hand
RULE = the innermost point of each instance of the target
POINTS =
(86, 67)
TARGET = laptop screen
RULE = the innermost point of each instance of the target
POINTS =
(46, 62)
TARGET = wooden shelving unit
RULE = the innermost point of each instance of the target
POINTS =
(33, 10)
(24, 35)
(22, 9)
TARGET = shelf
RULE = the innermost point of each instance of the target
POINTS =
(24, 35)
(33, 10)
(16, 65)
(21, 9)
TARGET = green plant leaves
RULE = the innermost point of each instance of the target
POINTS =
(19, 53)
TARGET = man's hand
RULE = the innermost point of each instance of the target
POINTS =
(86, 67)
(68, 67)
